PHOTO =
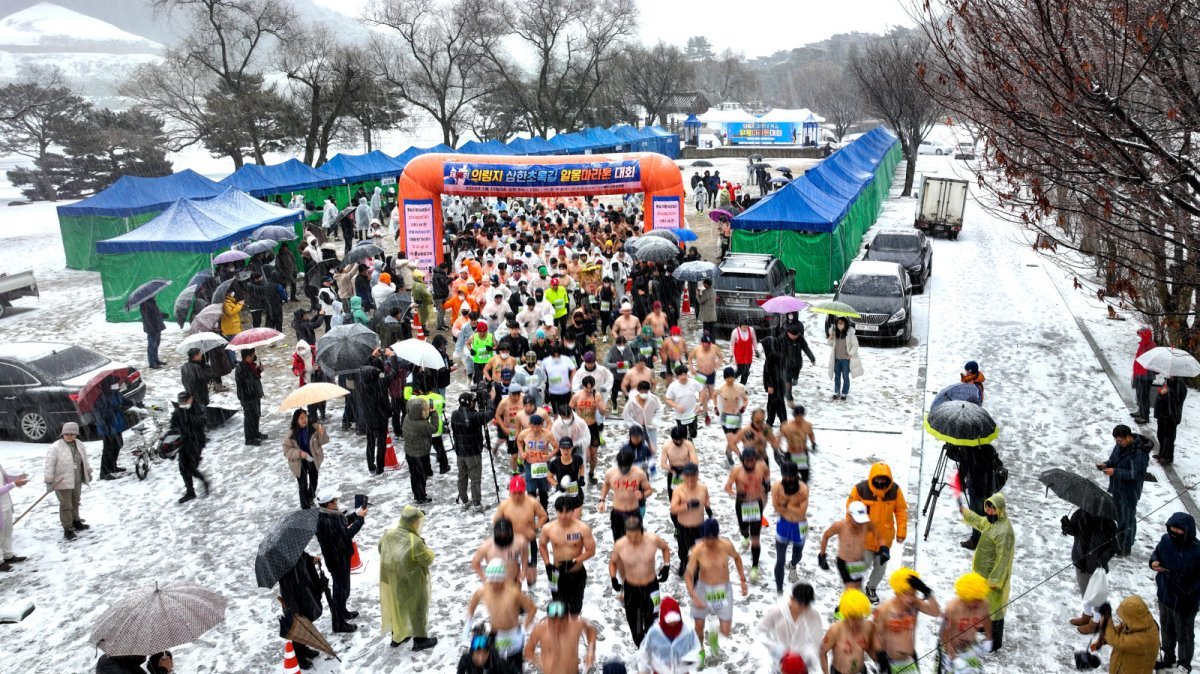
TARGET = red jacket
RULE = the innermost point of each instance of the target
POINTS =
(1146, 343)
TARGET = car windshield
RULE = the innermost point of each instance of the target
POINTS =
(69, 363)
(742, 282)
(895, 242)
(871, 286)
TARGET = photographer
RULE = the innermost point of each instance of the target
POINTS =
(466, 428)
(1126, 469)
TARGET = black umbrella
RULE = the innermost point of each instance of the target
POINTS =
(1079, 492)
(959, 391)
(963, 423)
(696, 270)
(346, 348)
(656, 250)
(361, 252)
(145, 291)
(187, 305)
(274, 233)
(402, 300)
(283, 545)
(761, 165)
(784, 170)
(702, 162)
(218, 296)
(632, 243)
(259, 247)
(665, 234)
(319, 271)
(200, 278)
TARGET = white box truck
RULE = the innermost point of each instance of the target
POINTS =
(940, 205)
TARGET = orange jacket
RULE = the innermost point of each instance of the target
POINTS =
(474, 270)
(887, 507)
(454, 304)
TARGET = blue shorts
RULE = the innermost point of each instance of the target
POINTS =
(710, 379)
(791, 532)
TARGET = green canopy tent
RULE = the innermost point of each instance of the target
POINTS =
(181, 241)
(815, 223)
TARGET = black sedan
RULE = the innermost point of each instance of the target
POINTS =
(907, 247)
(40, 380)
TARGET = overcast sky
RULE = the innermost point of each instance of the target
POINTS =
(755, 29)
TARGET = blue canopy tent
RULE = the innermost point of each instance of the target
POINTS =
(520, 146)
(121, 207)
(668, 143)
(361, 171)
(290, 176)
(602, 140)
(178, 243)
(408, 155)
(815, 223)
(494, 147)
(570, 142)
(637, 139)
(541, 146)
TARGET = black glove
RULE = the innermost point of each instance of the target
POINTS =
(549, 571)
(664, 572)
(885, 554)
(823, 562)
(884, 662)
(694, 503)
(919, 586)
(708, 511)
(616, 584)
(1066, 525)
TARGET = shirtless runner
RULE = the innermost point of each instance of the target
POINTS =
(851, 640)
(657, 320)
(673, 351)
(536, 446)
(731, 403)
(964, 617)
(504, 545)
(565, 544)
(747, 484)
(674, 456)
(896, 621)
(704, 361)
(629, 486)
(633, 559)
(758, 434)
(504, 602)
(590, 407)
(627, 325)
(640, 372)
(689, 506)
(712, 594)
(789, 497)
(800, 441)
(508, 422)
(852, 536)
(526, 514)
(501, 361)
(558, 636)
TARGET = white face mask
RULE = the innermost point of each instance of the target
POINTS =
(643, 396)
(185, 406)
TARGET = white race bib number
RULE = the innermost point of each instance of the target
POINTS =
(538, 470)
(750, 511)
(716, 598)
(646, 350)
(801, 460)
(732, 420)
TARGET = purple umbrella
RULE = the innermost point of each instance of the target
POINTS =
(720, 215)
(230, 256)
(784, 304)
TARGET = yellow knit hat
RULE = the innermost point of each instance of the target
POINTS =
(971, 587)
(854, 604)
(899, 579)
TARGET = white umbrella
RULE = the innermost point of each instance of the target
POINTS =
(205, 341)
(1170, 362)
(419, 353)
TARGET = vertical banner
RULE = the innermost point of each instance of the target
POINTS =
(666, 212)
(419, 233)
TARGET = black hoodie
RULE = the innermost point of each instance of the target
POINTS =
(1179, 585)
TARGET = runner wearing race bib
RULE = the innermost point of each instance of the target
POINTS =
(800, 441)
(708, 583)
(683, 395)
(504, 602)
(731, 402)
(704, 360)
(558, 371)
(789, 497)
(747, 485)
(633, 557)
(535, 446)
(852, 534)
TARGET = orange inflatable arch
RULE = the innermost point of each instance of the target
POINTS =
(427, 177)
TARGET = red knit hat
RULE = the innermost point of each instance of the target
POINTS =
(792, 663)
(670, 621)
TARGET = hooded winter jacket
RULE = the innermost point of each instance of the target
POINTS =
(418, 428)
(372, 387)
(356, 310)
(1179, 585)
(1145, 343)
(887, 507)
(1135, 641)
(994, 554)
(231, 316)
(1129, 469)
(660, 654)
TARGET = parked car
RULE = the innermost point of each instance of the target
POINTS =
(964, 151)
(881, 294)
(12, 286)
(39, 379)
(932, 147)
(909, 248)
(746, 282)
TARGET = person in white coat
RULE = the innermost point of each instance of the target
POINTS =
(7, 483)
(66, 471)
(329, 215)
(794, 626)
(843, 357)
(642, 410)
(670, 646)
(362, 218)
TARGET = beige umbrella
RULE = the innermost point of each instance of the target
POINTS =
(154, 619)
(311, 394)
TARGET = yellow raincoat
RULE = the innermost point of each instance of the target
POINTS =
(994, 553)
(404, 583)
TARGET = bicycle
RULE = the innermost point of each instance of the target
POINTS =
(153, 439)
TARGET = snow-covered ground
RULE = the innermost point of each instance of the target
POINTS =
(990, 299)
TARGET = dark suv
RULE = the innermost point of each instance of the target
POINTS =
(881, 294)
(909, 248)
(748, 280)
(38, 381)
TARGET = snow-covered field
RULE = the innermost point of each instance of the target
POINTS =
(991, 299)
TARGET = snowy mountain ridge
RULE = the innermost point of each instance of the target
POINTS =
(49, 28)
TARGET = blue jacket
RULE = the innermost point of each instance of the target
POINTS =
(1129, 469)
(110, 413)
(1179, 585)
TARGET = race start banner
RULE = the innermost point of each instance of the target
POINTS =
(420, 234)
(762, 133)
(666, 212)
(571, 179)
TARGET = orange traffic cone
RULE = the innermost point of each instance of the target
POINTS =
(418, 330)
(687, 301)
(290, 664)
(389, 458)
(356, 564)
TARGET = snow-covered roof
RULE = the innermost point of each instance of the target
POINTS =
(27, 351)
(874, 268)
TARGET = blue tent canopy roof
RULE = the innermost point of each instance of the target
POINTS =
(357, 168)
(290, 176)
(131, 195)
(200, 226)
(570, 141)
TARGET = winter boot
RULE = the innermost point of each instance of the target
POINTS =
(80, 525)
(1089, 628)
(1081, 620)
(187, 497)
(1164, 664)
(422, 643)
(69, 534)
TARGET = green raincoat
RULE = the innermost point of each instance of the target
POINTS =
(994, 554)
(404, 584)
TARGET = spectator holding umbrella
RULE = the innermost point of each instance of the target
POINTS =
(304, 448)
(1168, 411)
(1143, 379)
(231, 315)
(195, 375)
(153, 326)
(1176, 565)
(109, 413)
(335, 533)
(404, 582)
(1126, 470)
(250, 393)
(1095, 543)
